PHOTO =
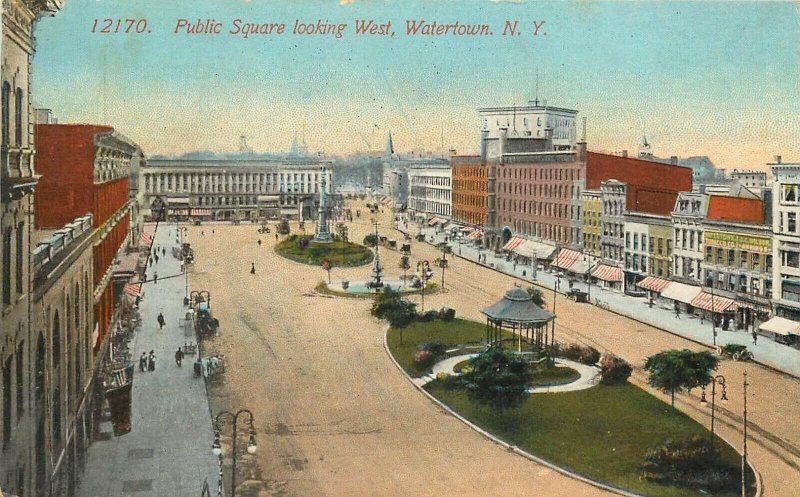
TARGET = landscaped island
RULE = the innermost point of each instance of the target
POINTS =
(302, 248)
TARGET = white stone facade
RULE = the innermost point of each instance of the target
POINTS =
(430, 190)
(687, 221)
(786, 239)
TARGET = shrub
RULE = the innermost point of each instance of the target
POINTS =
(399, 312)
(584, 354)
(371, 240)
(427, 354)
(691, 463)
(614, 370)
(428, 316)
(447, 314)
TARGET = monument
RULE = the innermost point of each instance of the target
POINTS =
(323, 234)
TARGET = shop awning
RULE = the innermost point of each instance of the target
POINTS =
(513, 243)
(579, 267)
(714, 303)
(565, 258)
(538, 250)
(132, 289)
(178, 200)
(200, 212)
(467, 229)
(433, 221)
(781, 326)
(680, 292)
(145, 239)
(607, 273)
(654, 284)
(750, 305)
(475, 235)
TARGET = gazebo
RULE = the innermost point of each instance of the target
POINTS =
(517, 312)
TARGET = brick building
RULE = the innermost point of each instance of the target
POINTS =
(86, 168)
(469, 183)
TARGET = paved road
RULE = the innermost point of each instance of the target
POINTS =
(340, 419)
(167, 453)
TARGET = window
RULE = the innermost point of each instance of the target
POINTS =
(19, 256)
(636, 241)
(731, 257)
(791, 258)
(789, 193)
(18, 117)
(709, 254)
(792, 224)
(6, 104)
(20, 362)
(7, 266)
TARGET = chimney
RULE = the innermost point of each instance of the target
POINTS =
(503, 142)
(581, 151)
(484, 144)
(777, 159)
(673, 160)
(548, 135)
(624, 153)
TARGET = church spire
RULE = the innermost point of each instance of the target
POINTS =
(389, 150)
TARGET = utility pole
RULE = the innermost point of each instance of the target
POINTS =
(744, 445)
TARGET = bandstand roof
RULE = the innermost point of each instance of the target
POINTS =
(517, 306)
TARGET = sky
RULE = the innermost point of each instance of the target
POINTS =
(717, 79)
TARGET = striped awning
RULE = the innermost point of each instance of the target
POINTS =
(475, 235)
(606, 272)
(565, 258)
(513, 243)
(750, 305)
(654, 283)
(467, 229)
(201, 212)
(146, 239)
(433, 221)
(133, 289)
(714, 303)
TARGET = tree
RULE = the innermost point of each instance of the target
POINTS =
(398, 311)
(537, 295)
(673, 370)
(405, 265)
(497, 379)
(371, 240)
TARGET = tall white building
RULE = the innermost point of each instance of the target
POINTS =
(533, 120)
(687, 221)
(430, 190)
(786, 238)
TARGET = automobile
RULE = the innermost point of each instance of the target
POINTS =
(577, 295)
(735, 351)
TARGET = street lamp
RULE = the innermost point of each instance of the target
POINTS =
(443, 263)
(718, 379)
(216, 446)
(424, 268)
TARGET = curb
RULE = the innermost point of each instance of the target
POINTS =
(498, 441)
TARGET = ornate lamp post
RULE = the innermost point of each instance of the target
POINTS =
(424, 268)
(718, 379)
(216, 447)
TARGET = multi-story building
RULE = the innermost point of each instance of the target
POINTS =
(233, 189)
(19, 459)
(612, 221)
(535, 120)
(687, 221)
(63, 317)
(85, 168)
(754, 180)
(786, 238)
(592, 227)
(469, 196)
(648, 247)
(430, 190)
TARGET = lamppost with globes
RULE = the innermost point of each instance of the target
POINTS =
(216, 446)
(424, 270)
(718, 379)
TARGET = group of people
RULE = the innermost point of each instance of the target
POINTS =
(147, 362)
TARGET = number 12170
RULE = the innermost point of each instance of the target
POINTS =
(119, 26)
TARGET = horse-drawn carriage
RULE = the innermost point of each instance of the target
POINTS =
(205, 323)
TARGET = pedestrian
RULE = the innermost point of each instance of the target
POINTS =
(702, 317)
(138, 299)
(276, 234)
(677, 312)
(163, 251)
(143, 362)
(212, 232)
(524, 273)
(202, 233)
(151, 262)
(178, 357)
(259, 242)
(155, 278)
(252, 268)
(151, 361)
(755, 337)
(161, 321)
(156, 258)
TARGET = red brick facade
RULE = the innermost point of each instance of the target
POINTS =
(724, 208)
(469, 190)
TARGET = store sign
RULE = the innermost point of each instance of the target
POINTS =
(739, 241)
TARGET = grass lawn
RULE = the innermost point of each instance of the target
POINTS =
(602, 432)
(341, 254)
(558, 375)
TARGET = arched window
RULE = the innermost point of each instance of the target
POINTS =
(20, 362)
(56, 341)
(6, 104)
(77, 306)
(18, 117)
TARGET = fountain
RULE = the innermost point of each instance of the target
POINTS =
(377, 270)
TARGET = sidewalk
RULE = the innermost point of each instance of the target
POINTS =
(766, 351)
(168, 451)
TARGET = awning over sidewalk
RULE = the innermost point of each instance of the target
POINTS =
(467, 229)
(654, 284)
(607, 273)
(146, 239)
(200, 212)
(680, 292)
(475, 235)
(741, 304)
(781, 326)
(433, 221)
(513, 243)
(714, 303)
(538, 250)
(565, 258)
(132, 289)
